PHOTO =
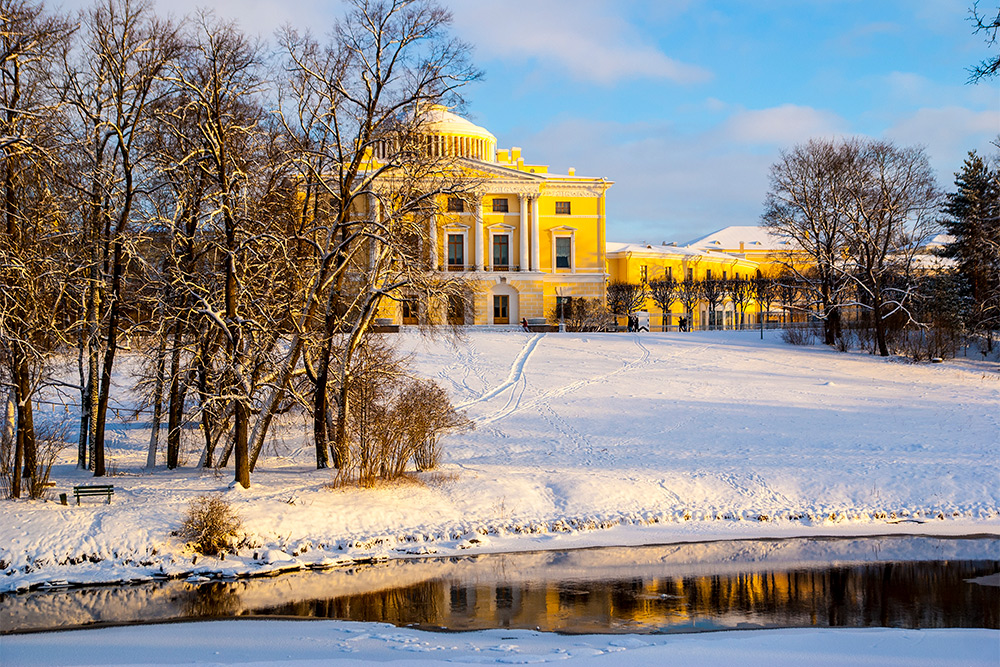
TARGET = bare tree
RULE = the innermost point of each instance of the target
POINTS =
(238, 205)
(32, 277)
(110, 83)
(664, 291)
(890, 208)
(765, 293)
(740, 292)
(806, 204)
(624, 298)
(371, 185)
(987, 23)
(713, 293)
(689, 295)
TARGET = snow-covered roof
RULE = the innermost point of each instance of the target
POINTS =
(753, 237)
(614, 248)
(936, 242)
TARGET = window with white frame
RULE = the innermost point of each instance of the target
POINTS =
(456, 252)
(564, 252)
(501, 252)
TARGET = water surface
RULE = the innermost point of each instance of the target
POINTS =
(904, 582)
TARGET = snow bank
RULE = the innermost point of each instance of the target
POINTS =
(309, 643)
(581, 440)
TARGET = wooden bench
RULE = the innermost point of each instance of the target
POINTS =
(95, 490)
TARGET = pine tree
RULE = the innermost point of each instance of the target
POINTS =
(974, 221)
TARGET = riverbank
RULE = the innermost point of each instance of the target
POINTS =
(581, 440)
(305, 644)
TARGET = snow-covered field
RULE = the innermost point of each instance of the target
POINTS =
(315, 643)
(581, 440)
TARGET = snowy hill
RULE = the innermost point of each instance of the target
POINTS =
(581, 439)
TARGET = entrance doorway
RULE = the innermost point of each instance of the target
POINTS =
(501, 309)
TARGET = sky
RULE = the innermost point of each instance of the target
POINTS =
(685, 104)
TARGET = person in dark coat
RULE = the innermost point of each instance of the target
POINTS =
(524, 324)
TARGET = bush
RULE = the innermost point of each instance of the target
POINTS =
(395, 419)
(211, 526)
(804, 335)
(583, 315)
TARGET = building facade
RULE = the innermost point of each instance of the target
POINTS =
(521, 238)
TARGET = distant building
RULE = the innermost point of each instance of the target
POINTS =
(523, 238)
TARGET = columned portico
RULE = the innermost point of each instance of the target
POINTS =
(477, 208)
(432, 237)
(535, 252)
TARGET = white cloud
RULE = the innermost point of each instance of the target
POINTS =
(782, 125)
(587, 38)
(948, 133)
(669, 186)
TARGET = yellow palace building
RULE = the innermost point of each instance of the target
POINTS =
(526, 238)
(523, 237)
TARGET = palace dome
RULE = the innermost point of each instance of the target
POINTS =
(450, 134)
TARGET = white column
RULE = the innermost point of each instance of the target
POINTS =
(601, 232)
(478, 209)
(535, 252)
(523, 247)
(432, 239)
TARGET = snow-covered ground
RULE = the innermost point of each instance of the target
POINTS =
(315, 643)
(581, 440)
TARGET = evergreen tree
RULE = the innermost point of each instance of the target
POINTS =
(974, 221)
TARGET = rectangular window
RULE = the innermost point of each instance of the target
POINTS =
(708, 274)
(410, 312)
(644, 273)
(500, 205)
(670, 273)
(456, 252)
(690, 275)
(456, 205)
(563, 250)
(501, 252)
(562, 208)
(501, 313)
(724, 275)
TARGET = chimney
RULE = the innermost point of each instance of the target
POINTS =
(572, 171)
(515, 153)
(741, 246)
(503, 155)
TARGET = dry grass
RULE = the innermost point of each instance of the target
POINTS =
(211, 526)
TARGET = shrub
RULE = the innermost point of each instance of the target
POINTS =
(799, 335)
(395, 418)
(211, 525)
(584, 315)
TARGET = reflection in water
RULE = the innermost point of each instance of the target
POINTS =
(905, 595)
(678, 588)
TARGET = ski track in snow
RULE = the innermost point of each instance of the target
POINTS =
(513, 376)
(545, 397)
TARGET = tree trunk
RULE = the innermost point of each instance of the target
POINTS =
(154, 435)
(25, 418)
(82, 445)
(175, 406)
(206, 413)
(242, 458)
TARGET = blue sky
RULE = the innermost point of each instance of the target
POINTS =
(686, 103)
